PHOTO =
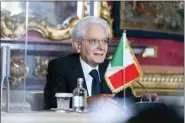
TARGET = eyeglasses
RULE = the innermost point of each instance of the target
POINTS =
(96, 41)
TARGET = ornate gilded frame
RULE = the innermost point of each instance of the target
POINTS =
(161, 79)
(13, 27)
(103, 10)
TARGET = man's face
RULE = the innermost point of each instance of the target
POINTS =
(92, 50)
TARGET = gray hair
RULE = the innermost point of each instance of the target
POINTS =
(78, 31)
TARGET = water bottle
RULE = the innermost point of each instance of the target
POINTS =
(80, 97)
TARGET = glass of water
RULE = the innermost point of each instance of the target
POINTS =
(63, 100)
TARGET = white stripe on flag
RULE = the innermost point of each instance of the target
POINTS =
(112, 70)
(128, 61)
(128, 58)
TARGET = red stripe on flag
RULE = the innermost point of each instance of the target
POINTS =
(131, 72)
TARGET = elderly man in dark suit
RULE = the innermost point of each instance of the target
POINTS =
(90, 39)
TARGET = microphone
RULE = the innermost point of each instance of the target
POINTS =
(149, 95)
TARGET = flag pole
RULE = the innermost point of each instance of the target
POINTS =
(124, 49)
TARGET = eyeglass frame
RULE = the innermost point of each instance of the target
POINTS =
(97, 41)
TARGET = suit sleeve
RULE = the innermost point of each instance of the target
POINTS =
(56, 83)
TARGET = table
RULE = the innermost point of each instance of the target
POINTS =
(53, 117)
(43, 117)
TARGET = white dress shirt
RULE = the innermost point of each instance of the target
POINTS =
(86, 70)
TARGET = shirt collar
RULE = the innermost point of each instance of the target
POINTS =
(86, 68)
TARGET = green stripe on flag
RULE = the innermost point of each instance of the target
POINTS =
(117, 59)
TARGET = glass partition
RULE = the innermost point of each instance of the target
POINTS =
(32, 34)
(49, 36)
(13, 56)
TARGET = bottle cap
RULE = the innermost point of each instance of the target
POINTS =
(80, 79)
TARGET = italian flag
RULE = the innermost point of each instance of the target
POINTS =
(123, 69)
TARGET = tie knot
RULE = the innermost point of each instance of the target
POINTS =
(94, 74)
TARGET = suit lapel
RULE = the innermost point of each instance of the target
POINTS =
(76, 68)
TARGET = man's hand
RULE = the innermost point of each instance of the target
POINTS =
(98, 101)
(153, 96)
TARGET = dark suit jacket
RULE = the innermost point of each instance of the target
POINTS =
(62, 77)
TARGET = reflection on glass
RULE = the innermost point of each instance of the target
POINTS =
(13, 7)
(15, 70)
(56, 12)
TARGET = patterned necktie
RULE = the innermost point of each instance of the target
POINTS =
(95, 88)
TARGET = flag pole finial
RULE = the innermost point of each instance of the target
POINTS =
(124, 31)
(124, 34)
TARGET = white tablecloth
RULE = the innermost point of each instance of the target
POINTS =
(53, 117)
(44, 117)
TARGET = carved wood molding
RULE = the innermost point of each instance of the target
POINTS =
(105, 13)
(41, 66)
(166, 80)
(13, 27)
(19, 70)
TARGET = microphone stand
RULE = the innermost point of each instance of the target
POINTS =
(149, 95)
(140, 106)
